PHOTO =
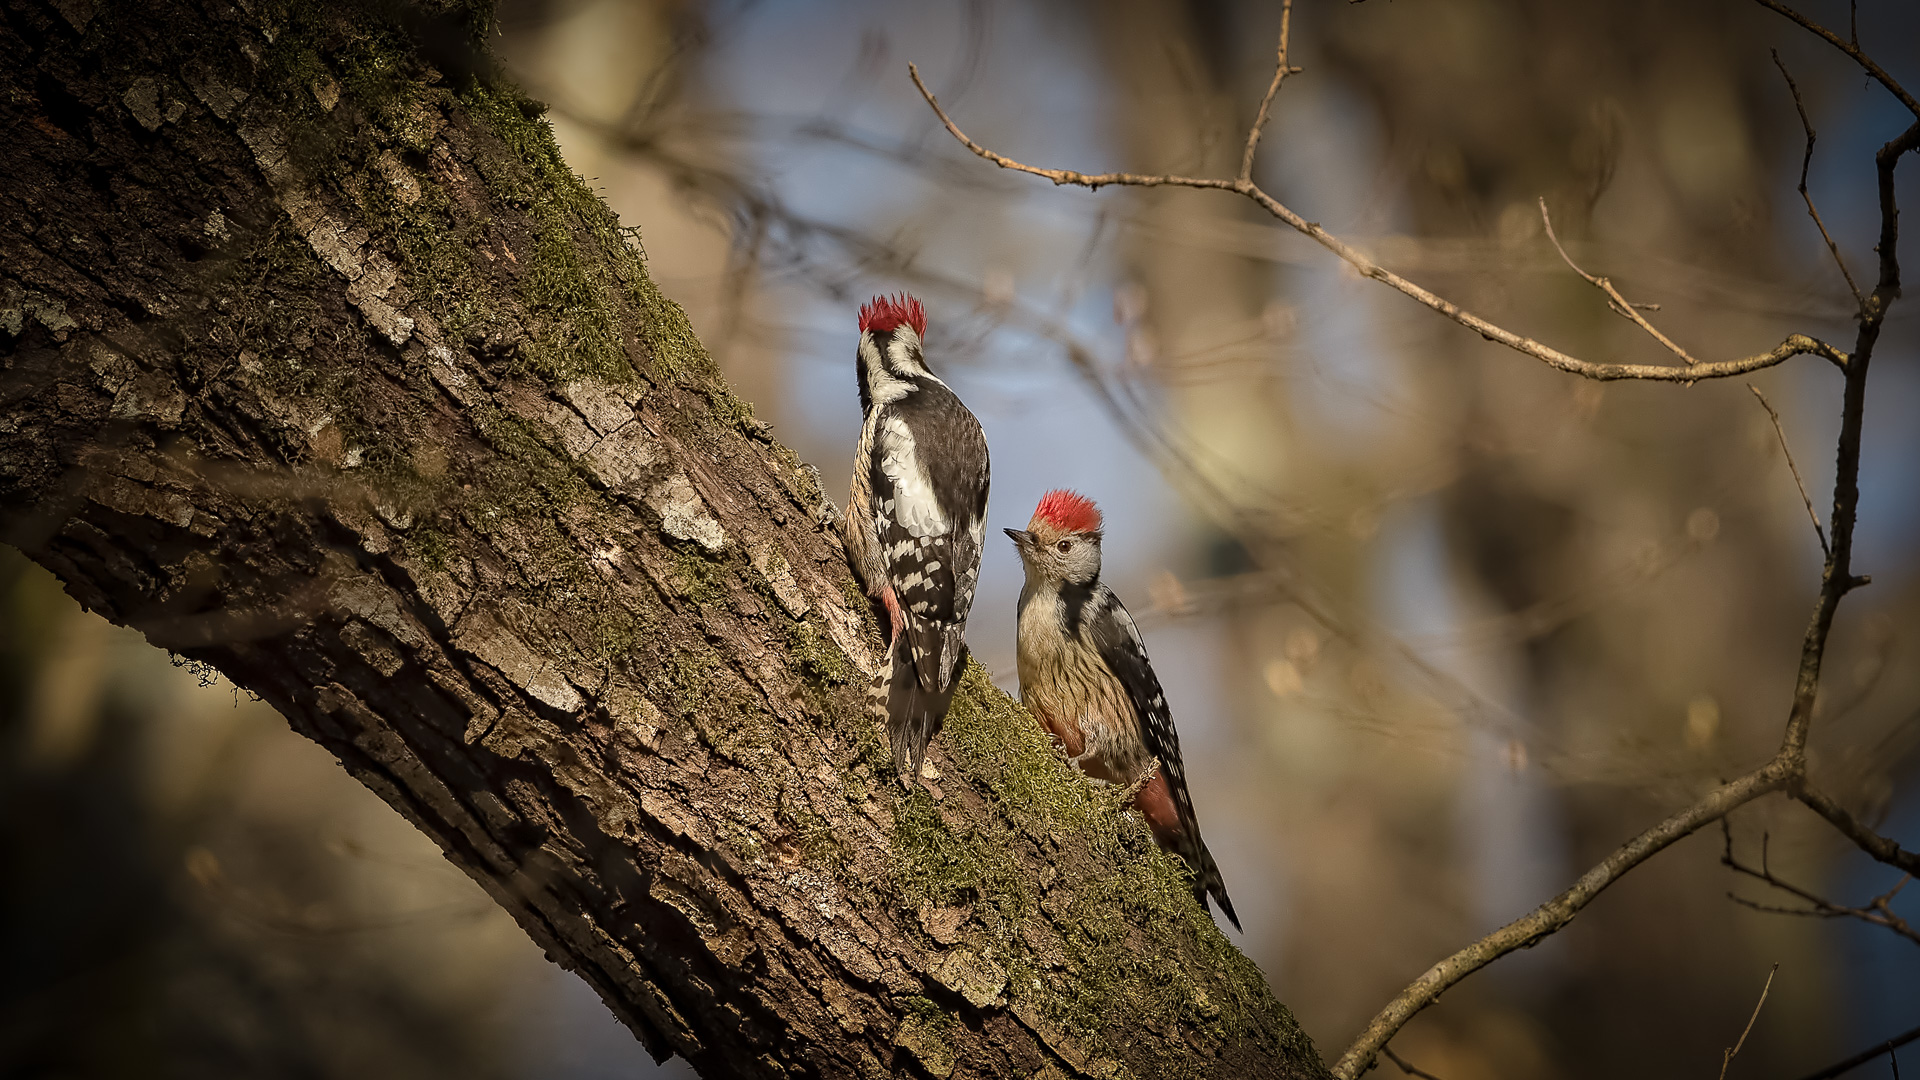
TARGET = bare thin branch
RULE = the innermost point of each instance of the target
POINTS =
(1614, 300)
(1727, 1059)
(1280, 72)
(1879, 910)
(1866, 839)
(1852, 49)
(1792, 468)
(1406, 1066)
(1806, 160)
(1839, 1068)
(1794, 345)
(1555, 913)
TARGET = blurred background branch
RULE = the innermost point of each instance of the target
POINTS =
(1787, 769)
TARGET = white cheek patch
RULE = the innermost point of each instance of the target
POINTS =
(882, 386)
(914, 506)
(904, 353)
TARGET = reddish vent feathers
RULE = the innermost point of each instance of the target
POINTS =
(888, 312)
(1067, 512)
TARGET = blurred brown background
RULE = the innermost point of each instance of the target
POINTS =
(1440, 626)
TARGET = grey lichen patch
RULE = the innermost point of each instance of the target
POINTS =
(142, 99)
(773, 569)
(606, 407)
(400, 179)
(326, 91)
(624, 458)
(17, 306)
(683, 515)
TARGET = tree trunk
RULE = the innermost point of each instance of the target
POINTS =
(321, 368)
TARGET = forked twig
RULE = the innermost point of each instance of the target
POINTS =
(1879, 910)
(1614, 300)
(1780, 433)
(1280, 71)
(1852, 49)
(1794, 345)
(1806, 160)
(1727, 1059)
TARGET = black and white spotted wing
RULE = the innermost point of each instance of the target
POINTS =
(929, 488)
(1114, 635)
(1118, 641)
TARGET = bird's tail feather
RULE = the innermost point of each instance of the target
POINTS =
(912, 712)
(939, 650)
(1206, 875)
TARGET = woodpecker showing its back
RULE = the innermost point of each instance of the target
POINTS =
(1084, 674)
(916, 522)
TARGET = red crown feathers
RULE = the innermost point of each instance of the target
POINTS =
(888, 312)
(1068, 512)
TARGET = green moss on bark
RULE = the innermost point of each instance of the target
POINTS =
(1133, 936)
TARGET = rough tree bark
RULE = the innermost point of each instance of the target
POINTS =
(321, 368)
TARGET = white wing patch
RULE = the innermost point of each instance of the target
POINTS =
(914, 505)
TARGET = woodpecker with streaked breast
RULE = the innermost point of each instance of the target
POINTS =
(916, 522)
(1084, 674)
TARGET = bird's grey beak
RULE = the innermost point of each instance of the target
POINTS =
(1020, 538)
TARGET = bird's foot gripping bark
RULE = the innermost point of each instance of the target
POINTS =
(1146, 777)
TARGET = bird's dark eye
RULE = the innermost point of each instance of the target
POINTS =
(1065, 545)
